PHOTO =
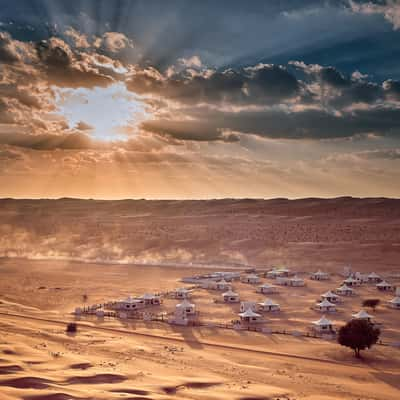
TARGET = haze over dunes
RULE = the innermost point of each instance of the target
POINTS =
(307, 233)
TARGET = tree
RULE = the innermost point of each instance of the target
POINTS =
(359, 335)
(371, 303)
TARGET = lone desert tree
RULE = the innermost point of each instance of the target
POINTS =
(358, 335)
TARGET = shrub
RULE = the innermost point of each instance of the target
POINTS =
(371, 303)
(72, 327)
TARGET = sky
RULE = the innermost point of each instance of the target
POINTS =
(202, 99)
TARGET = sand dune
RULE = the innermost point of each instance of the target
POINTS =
(109, 359)
(328, 233)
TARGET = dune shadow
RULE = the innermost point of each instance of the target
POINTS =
(392, 379)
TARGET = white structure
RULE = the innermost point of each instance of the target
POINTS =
(362, 278)
(185, 308)
(222, 285)
(374, 278)
(250, 278)
(285, 281)
(245, 305)
(268, 305)
(250, 317)
(182, 293)
(266, 288)
(150, 299)
(129, 304)
(320, 276)
(350, 281)
(395, 303)
(323, 325)
(296, 281)
(384, 286)
(325, 306)
(362, 314)
(231, 297)
(278, 272)
(282, 281)
(344, 290)
(330, 296)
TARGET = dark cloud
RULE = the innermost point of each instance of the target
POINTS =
(189, 130)
(66, 141)
(333, 77)
(63, 66)
(278, 124)
(261, 84)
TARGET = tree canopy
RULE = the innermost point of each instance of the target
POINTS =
(358, 335)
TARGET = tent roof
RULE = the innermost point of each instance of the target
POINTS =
(373, 275)
(325, 303)
(323, 321)
(230, 293)
(185, 303)
(182, 289)
(249, 313)
(362, 314)
(148, 296)
(395, 300)
(383, 283)
(330, 294)
(269, 302)
(345, 287)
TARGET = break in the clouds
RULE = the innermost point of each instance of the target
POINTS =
(250, 93)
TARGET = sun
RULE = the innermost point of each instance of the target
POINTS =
(109, 113)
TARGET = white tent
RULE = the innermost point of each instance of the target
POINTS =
(182, 293)
(330, 296)
(362, 314)
(344, 290)
(322, 325)
(384, 286)
(350, 281)
(129, 303)
(150, 298)
(395, 302)
(231, 297)
(186, 308)
(319, 276)
(222, 285)
(269, 305)
(325, 306)
(296, 281)
(245, 305)
(283, 281)
(278, 272)
(266, 288)
(250, 316)
(250, 278)
(374, 277)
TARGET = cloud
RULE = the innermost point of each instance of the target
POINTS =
(259, 84)
(113, 42)
(65, 68)
(83, 126)
(390, 9)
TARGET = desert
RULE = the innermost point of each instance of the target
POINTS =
(113, 358)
